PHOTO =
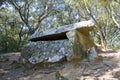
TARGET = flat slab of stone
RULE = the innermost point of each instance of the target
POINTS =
(60, 32)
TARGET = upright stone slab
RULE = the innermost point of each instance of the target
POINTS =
(47, 51)
(69, 41)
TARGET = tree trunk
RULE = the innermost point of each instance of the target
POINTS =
(102, 39)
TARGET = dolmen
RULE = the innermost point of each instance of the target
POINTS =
(68, 42)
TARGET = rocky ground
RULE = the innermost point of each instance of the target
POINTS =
(107, 67)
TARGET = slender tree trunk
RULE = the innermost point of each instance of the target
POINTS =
(112, 15)
(6, 34)
(102, 39)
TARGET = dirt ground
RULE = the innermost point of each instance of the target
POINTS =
(106, 68)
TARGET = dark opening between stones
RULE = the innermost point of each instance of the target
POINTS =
(59, 36)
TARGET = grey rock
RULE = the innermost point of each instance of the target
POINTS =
(93, 54)
(47, 51)
(60, 32)
(3, 58)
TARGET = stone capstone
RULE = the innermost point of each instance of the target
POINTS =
(58, 33)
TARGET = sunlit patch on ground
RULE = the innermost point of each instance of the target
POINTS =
(107, 68)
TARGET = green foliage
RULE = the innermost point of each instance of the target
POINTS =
(18, 19)
(7, 44)
(10, 31)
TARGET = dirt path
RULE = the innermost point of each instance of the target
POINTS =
(107, 68)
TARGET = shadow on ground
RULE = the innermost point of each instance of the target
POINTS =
(106, 67)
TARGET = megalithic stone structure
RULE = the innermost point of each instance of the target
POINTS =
(53, 45)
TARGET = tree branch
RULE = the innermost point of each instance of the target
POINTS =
(112, 15)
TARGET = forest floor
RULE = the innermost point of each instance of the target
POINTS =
(107, 68)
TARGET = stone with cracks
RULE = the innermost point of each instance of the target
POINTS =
(70, 41)
(47, 51)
